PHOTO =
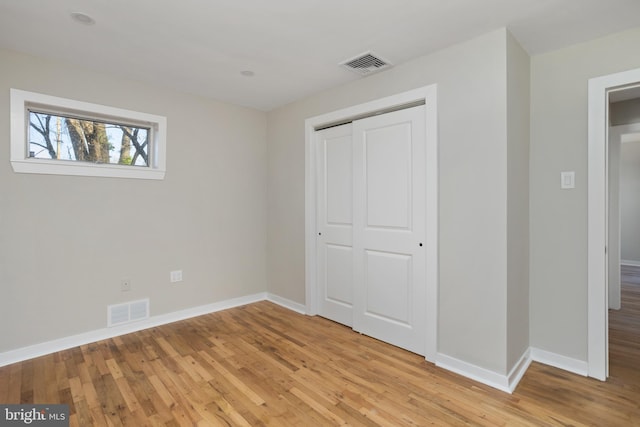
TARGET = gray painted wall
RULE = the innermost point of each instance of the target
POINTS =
(472, 108)
(613, 247)
(518, 82)
(630, 201)
(624, 112)
(231, 212)
(559, 79)
(67, 241)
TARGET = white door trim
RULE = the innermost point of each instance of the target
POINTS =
(428, 94)
(597, 223)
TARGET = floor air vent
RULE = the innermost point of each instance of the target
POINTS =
(365, 64)
(128, 312)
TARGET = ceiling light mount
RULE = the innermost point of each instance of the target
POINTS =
(82, 18)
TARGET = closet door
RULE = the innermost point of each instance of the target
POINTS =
(389, 261)
(371, 226)
(334, 226)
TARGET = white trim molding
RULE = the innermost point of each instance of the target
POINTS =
(506, 383)
(428, 95)
(287, 303)
(518, 370)
(41, 349)
(597, 222)
(576, 366)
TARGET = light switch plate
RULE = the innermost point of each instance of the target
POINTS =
(175, 276)
(567, 180)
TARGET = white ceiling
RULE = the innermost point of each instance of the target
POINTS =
(293, 46)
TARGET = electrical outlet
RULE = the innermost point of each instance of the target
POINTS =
(125, 285)
(175, 276)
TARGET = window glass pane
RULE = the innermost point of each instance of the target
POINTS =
(60, 137)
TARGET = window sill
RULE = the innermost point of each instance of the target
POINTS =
(54, 167)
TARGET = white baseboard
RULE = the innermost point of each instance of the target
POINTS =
(506, 383)
(630, 262)
(576, 366)
(41, 349)
(518, 371)
(287, 303)
(476, 373)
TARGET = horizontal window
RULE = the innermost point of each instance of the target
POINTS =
(52, 135)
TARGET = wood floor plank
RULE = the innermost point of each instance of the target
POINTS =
(316, 405)
(234, 380)
(176, 402)
(263, 365)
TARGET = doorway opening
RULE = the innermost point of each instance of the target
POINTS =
(600, 236)
(624, 185)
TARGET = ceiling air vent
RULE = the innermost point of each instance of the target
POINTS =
(365, 64)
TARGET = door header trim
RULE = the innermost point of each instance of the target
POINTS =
(371, 114)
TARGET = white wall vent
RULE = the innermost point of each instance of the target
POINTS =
(118, 314)
(365, 64)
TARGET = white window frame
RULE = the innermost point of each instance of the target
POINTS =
(21, 100)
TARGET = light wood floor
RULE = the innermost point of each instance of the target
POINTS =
(264, 365)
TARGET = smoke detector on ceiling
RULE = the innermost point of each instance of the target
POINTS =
(365, 64)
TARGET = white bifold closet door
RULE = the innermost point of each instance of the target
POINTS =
(371, 226)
